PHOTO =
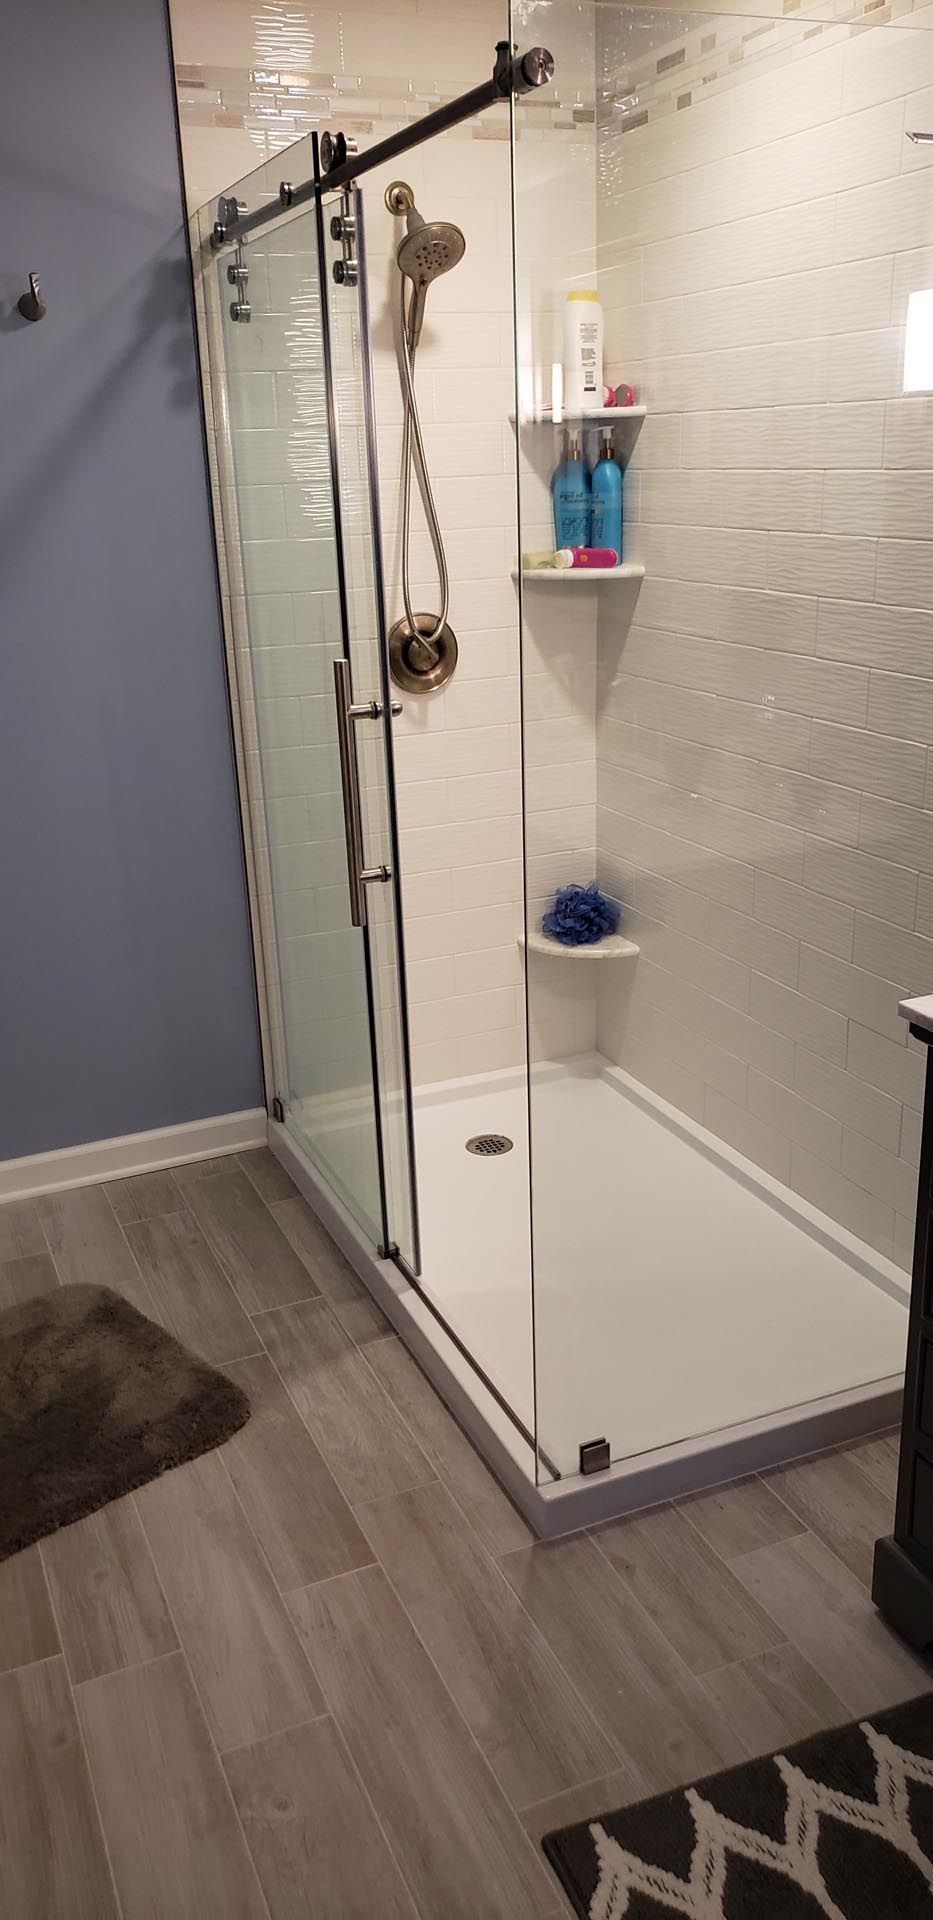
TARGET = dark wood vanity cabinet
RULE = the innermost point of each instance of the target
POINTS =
(902, 1582)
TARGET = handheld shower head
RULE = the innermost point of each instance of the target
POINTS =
(428, 249)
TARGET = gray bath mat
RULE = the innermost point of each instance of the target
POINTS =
(94, 1401)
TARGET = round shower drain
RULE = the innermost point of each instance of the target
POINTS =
(489, 1144)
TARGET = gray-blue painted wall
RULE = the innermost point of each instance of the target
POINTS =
(126, 988)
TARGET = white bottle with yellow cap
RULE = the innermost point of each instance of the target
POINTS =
(583, 351)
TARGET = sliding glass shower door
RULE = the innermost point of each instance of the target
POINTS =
(290, 387)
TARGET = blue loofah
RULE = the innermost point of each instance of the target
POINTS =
(580, 916)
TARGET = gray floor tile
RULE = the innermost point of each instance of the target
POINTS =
(173, 1835)
(458, 1844)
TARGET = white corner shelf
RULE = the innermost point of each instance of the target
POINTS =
(583, 576)
(613, 946)
(591, 416)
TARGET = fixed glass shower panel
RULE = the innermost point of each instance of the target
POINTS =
(290, 384)
(729, 731)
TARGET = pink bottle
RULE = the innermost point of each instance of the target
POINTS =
(594, 556)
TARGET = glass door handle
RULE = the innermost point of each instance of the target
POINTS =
(359, 876)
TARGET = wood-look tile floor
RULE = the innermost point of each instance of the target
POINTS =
(325, 1671)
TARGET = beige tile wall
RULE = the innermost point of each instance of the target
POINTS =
(765, 713)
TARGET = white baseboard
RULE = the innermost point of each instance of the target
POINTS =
(132, 1153)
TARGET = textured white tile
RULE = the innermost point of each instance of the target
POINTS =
(849, 1098)
(795, 682)
(895, 953)
(789, 1114)
(778, 738)
(892, 1180)
(657, 1070)
(688, 1048)
(786, 438)
(631, 839)
(848, 874)
(748, 249)
(891, 1066)
(901, 834)
(822, 563)
(749, 1134)
(911, 1136)
(895, 639)
(809, 916)
(905, 573)
(894, 506)
(726, 830)
(925, 906)
(755, 944)
(715, 972)
(901, 705)
(895, 769)
(818, 1027)
(879, 66)
(843, 1200)
(853, 992)
(866, 366)
(887, 216)
(797, 306)
(722, 498)
(659, 899)
(705, 554)
(908, 433)
(735, 1032)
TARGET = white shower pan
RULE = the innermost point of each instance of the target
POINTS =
(724, 1326)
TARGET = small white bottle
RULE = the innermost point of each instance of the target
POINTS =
(583, 351)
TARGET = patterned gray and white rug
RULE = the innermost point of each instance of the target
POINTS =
(839, 1826)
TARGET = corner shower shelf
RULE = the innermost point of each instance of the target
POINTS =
(613, 946)
(591, 416)
(594, 415)
(583, 576)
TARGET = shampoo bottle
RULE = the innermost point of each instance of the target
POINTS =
(571, 492)
(583, 350)
(607, 501)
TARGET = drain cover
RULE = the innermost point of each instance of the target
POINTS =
(489, 1144)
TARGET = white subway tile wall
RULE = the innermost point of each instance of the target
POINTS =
(765, 709)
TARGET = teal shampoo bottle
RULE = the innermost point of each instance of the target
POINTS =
(607, 501)
(571, 496)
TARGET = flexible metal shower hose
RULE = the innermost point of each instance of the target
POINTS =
(413, 453)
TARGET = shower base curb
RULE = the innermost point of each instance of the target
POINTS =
(580, 1500)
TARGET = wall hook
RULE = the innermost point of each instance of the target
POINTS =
(31, 305)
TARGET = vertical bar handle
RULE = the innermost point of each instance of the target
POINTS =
(359, 876)
(350, 784)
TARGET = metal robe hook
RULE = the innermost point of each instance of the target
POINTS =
(31, 305)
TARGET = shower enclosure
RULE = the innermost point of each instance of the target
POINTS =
(643, 1209)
